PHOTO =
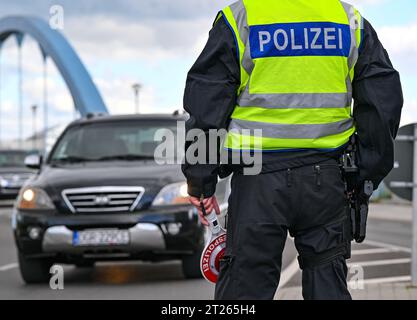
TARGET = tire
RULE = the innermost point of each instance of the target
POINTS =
(191, 265)
(34, 270)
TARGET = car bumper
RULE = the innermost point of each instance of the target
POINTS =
(143, 237)
(151, 233)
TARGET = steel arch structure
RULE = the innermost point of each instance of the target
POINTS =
(53, 44)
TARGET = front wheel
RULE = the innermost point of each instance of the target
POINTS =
(34, 270)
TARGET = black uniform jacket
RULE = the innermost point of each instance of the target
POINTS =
(210, 97)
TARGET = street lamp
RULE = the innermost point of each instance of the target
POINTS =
(34, 112)
(45, 101)
(1, 45)
(19, 40)
(136, 89)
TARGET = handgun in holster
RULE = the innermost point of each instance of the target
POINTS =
(358, 197)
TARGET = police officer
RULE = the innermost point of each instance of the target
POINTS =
(310, 74)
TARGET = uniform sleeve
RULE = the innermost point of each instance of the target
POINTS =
(378, 101)
(210, 97)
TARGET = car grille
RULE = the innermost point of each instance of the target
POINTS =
(102, 199)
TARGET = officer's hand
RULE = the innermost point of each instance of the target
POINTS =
(210, 204)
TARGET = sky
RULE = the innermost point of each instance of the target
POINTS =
(155, 42)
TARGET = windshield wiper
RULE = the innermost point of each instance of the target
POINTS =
(72, 159)
(126, 157)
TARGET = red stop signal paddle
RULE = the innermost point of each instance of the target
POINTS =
(214, 249)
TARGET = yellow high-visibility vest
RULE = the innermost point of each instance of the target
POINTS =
(297, 60)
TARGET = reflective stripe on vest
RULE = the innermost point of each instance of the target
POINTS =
(297, 65)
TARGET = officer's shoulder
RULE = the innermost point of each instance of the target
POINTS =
(219, 18)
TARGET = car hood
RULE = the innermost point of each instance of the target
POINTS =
(147, 174)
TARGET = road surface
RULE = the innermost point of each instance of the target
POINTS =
(384, 258)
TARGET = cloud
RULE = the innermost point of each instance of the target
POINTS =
(361, 4)
(121, 40)
(366, 2)
(409, 111)
(119, 96)
(401, 45)
(109, 38)
(153, 10)
(400, 39)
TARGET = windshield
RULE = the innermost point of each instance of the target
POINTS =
(12, 158)
(124, 140)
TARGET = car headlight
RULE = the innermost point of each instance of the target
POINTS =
(176, 193)
(34, 198)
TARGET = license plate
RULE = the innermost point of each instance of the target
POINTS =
(101, 237)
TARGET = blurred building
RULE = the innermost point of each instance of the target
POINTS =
(36, 141)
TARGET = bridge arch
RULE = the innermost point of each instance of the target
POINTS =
(53, 44)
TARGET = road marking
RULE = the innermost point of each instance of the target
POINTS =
(8, 267)
(387, 246)
(372, 251)
(382, 280)
(286, 276)
(5, 213)
(379, 262)
(288, 273)
(381, 248)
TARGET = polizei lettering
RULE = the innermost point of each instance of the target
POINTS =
(207, 254)
(300, 39)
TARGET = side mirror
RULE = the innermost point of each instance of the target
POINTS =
(34, 161)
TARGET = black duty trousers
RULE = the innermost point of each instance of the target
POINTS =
(310, 203)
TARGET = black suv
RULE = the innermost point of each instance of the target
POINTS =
(101, 195)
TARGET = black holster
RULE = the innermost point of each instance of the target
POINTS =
(359, 207)
(358, 197)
